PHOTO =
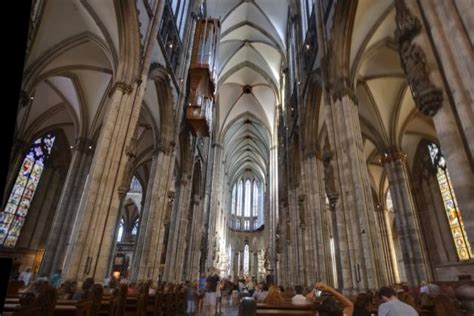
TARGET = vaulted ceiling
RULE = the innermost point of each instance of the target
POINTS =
(388, 115)
(251, 52)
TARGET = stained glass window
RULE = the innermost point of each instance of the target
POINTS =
(248, 198)
(135, 226)
(453, 212)
(13, 216)
(234, 199)
(246, 224)
(246, 259)
(255, 199)
(120, 230)
(240, 188)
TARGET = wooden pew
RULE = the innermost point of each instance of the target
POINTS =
(110, 305)
(284, 309)
(15, 309)
(73, 308)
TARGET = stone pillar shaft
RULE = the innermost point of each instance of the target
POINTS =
(406, 219)
(152, 231)
(358, 246)
(66, 212)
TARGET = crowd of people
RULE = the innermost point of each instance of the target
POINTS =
(208, 294)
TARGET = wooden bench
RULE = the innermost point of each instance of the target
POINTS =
(110, 306)
(15, 309)
(284, 309)
(73, 307)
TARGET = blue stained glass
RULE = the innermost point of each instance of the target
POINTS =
(13, 216)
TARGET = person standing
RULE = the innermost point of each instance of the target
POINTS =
(392, 305)
(56, 278)
(210, 300)
(25, 276)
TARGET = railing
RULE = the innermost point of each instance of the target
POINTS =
(168, 36)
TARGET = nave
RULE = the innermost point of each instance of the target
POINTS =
(287, 142)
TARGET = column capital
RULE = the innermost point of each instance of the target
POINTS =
(126, 88)
(393, 156)
(341, 87)
(164, 147)
(82, 144)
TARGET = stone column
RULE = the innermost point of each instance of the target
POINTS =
(177, 241)
(271, 208)
(215, 195)
(196, 241)
(389, 261)
(450, 30)
(443, 95)
(406, 220)
(356, 208)
(98, 210)
(58, 240)
(301, 229)
(313, 185)
(152, 228)
(138, 249)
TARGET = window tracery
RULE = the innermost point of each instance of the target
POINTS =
(13, 216)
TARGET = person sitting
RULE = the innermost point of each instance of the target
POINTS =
(132, 289)
(299, 298)
(86, 287)
(67, 290)
(260, 295)
(362, 305)
(274, 296)
(25, 276)
(328, 306)
(288, 293)
(392, 305)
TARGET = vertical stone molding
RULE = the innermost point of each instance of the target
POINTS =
(66, 212)
(93, 233)
(405, 218)
(152, 230)
(451, 40)
(355, 212)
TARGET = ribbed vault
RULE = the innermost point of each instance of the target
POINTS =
(251, 53)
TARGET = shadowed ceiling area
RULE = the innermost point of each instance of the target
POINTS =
(251, 52)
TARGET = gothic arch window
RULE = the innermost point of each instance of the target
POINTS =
(246, 259)
(234, 199)
(307, 10)
(239, 197)
(453, 212)
(255, 200)
(180, 9)
(246, 203)
(13, 216)
(248, 197)
(120, 230)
